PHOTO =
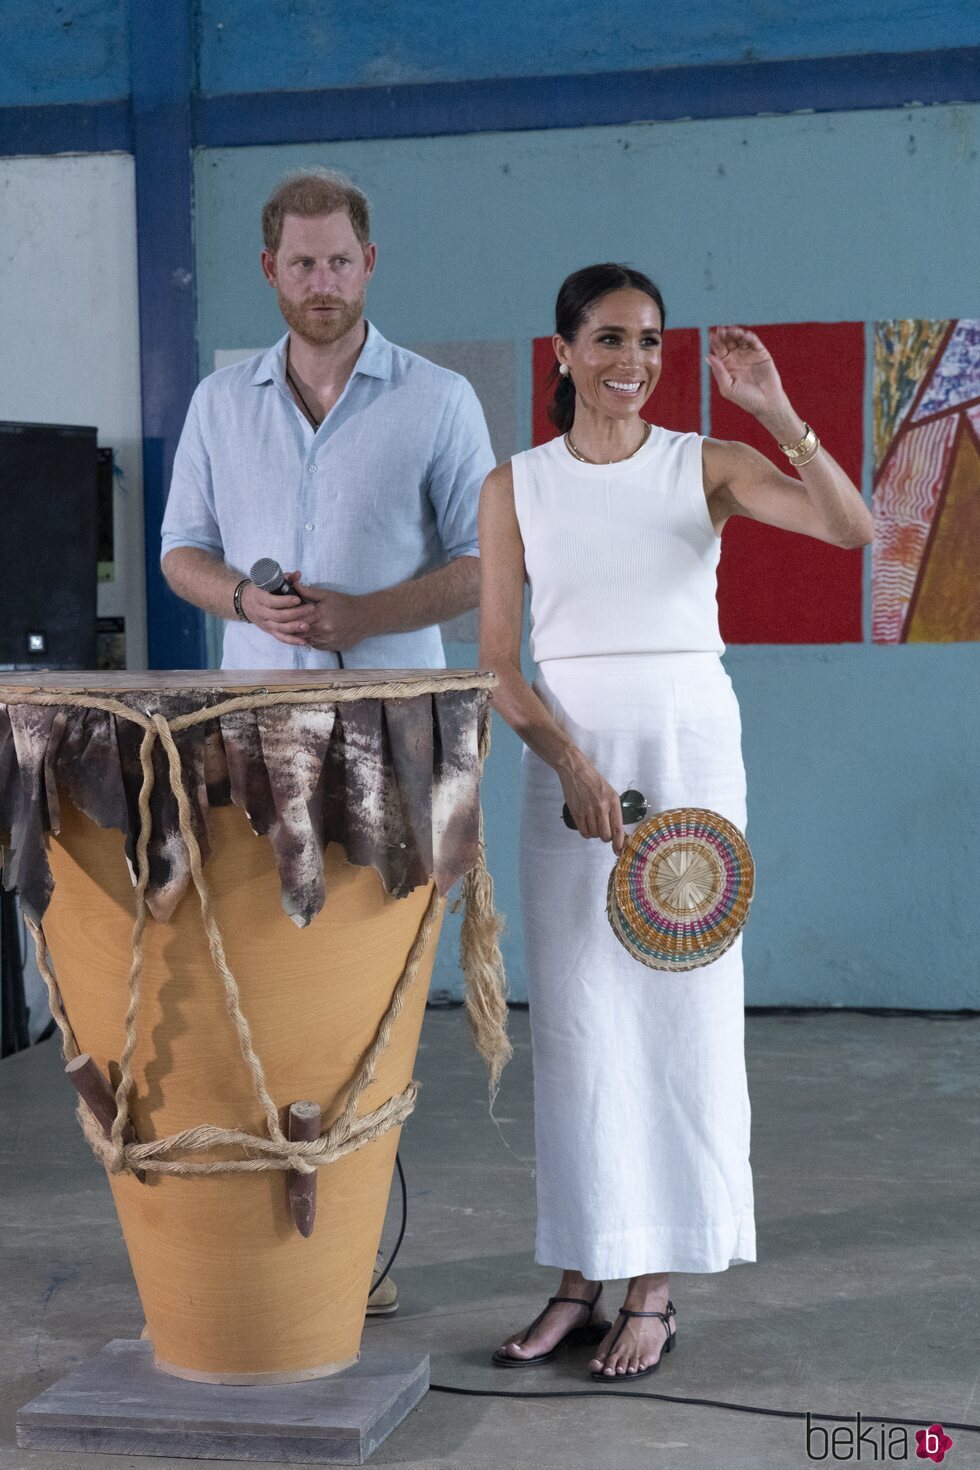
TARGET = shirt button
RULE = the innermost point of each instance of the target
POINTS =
(308, 526)
(312, 469)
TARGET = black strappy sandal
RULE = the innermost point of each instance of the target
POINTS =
(592, 1332)
(669, 1345)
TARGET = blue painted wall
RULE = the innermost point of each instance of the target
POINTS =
(55, 51)
(76, 51)
(475, 233)
(862, 779)
(252, 45)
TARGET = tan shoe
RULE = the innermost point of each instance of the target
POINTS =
(384, 1301)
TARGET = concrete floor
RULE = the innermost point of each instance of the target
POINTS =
(865, 1297)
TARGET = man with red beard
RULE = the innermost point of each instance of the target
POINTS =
(334, 452)
(337, 453)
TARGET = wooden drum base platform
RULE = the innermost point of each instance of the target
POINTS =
(119, 1404)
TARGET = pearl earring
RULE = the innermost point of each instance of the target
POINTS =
(563, 370)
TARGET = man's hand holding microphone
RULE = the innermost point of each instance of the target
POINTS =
(280, 603)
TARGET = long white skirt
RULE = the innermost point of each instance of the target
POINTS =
(640, 1100)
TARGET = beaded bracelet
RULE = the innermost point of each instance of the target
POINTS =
(240, 612)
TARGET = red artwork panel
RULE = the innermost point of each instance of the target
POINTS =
(675, 402)
(775, 587)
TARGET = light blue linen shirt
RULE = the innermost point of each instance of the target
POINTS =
(386, 489)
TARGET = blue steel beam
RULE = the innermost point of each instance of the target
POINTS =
(67, 127)
(162, 79)
(516, 104)
(728, 89)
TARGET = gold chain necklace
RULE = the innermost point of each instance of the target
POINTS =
(579, 455)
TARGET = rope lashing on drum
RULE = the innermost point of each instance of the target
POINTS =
(479, 953)
(346, 1134)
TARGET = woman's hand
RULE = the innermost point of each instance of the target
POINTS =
(594, 804)
(744, 372)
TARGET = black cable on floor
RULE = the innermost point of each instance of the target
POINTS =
(401, 1233)
(667, 1398)
(671, 1398)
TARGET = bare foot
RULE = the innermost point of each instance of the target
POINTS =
(642, 1340)
(558, 1319)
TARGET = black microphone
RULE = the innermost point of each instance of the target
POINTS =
(268, 576)
(634, 805)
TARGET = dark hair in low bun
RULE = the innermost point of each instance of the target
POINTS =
(578, 294)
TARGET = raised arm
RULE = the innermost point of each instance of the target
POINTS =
(824, 502)
(593, 802)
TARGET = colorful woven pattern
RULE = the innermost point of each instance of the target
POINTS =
(679, 894)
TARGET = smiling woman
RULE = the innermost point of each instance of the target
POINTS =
(641, 1104)
(605, 371)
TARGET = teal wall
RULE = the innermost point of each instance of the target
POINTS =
(828, 217)
(863, 776)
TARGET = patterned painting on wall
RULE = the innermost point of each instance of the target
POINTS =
(925, 587)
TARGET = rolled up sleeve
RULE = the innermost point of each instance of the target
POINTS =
(189, 518)
(462, 460)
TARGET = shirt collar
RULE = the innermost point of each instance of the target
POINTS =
(374, 360)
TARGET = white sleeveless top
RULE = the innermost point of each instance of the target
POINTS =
(621, 558)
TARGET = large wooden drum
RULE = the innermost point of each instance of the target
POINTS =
(288, 965)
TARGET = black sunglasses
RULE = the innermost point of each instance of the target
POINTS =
(634, 805)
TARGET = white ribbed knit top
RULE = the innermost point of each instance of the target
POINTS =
(621, 558)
